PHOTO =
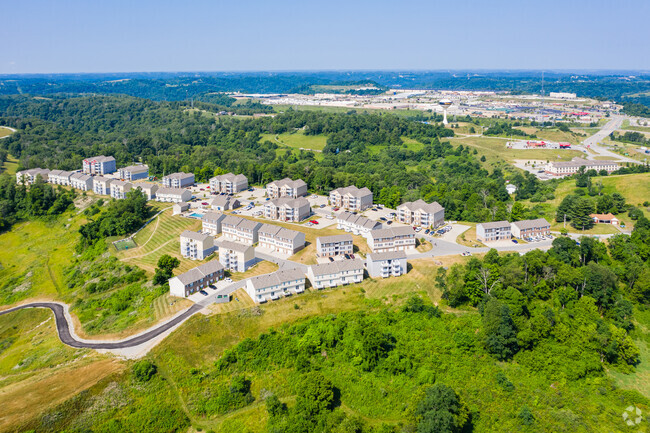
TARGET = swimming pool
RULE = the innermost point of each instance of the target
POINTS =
(196, 215)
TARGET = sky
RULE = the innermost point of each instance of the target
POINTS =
(76, 36)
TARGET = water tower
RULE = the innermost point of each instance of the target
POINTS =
(445, 104)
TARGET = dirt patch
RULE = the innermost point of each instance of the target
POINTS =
(20, 401)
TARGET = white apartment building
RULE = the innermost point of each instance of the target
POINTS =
(338, 273)
(134, 172)
(102, 185)
(286, 188)
(148, 189)
(567, 168)
(422, 214)
(173, 195)
(275, 285)
(356, 224)
(240, 230)
(211, 223)
(83, 182)
(384, 265)
(59, 177)
(281, 240)
(196, 245)
(120, 188)
(351, 198)
(99, 165)
(287, 209)
(493, 231)
(392, 239)
(178, 180)
(29, 176)
(196, 279)
(236, 257)
(328, 246)
(530, 228)
(229, 183)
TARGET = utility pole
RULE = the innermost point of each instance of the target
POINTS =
(564, 220)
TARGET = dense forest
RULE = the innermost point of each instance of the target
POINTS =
(60, 132)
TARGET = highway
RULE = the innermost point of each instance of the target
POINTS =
(593, 142)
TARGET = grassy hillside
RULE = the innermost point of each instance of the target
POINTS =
(297, 140)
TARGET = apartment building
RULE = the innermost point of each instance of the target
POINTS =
(224, 202)
(275, 285)
(102, 185)
(530, 228)
(178, 180)
(134, 172)
(229, 183)
(384, 265)
(287, 209)
(211, 223)
(392, 239)
(351, 198)
(236, 257)
(338, 273)
(180, 207)
(99, 165)
(148, 189)
(567, 168)
(196, 246)
(328, 246)
(196, 279)
(59, 177)
(119, 189)
(29, 176)
(421, 214)
(286, 188)
(240, 230)
(493, 231)
(281, 240)
(173, 195)
(81, 181)
(356, 224)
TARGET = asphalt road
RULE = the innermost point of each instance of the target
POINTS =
(63, 327)
(612, 125)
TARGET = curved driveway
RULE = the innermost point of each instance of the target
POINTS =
(63, 327)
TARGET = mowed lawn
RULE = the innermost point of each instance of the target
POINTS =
(10, 166)
(161, 236)
(5, 131)
(297, 140)
(495, 150)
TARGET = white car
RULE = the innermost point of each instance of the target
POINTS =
(228, 280)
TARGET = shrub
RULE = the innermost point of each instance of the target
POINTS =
(144, 370)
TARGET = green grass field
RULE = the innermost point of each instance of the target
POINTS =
(5, 131)
(297, 140)
(10, 166)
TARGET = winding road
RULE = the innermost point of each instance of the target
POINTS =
(66, 332)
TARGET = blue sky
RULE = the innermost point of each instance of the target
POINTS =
(62, 36)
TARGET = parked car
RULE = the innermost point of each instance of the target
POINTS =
(335, 209)
(466, 253)
(322, 206)
(352, 256)
(313, 221)
(228, 280)
(426, 232)
(383, 219)
(347, 256)
(375, 209)
(514, 241)
(204, 293)
(268, 198)
(389, 222)
(331, 259)
(251, 189)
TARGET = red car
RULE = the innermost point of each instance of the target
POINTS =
(204, 204)
(335, 209)
(313, 222)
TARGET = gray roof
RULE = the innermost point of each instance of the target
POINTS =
(579, 162)
(81, 176)
(100, 158)
(392, 232)
(147, 186)
(353, 191)
(136, 168)
(289, 182)
(279, 232)
(277, 278)
(358, 220)
(179, 175)
(121, 183)
(195, 274)
(229, 245)
(230, 177)
(223, 200)
(213, 217)
(195, 235)
(334, 239)
(494, 224)
(102, 179)
(290, 202)
(529, 224)
(60, 173)
(431, 208)
(171, 191)
(390, 255)
(336, 267)
(240, 223)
